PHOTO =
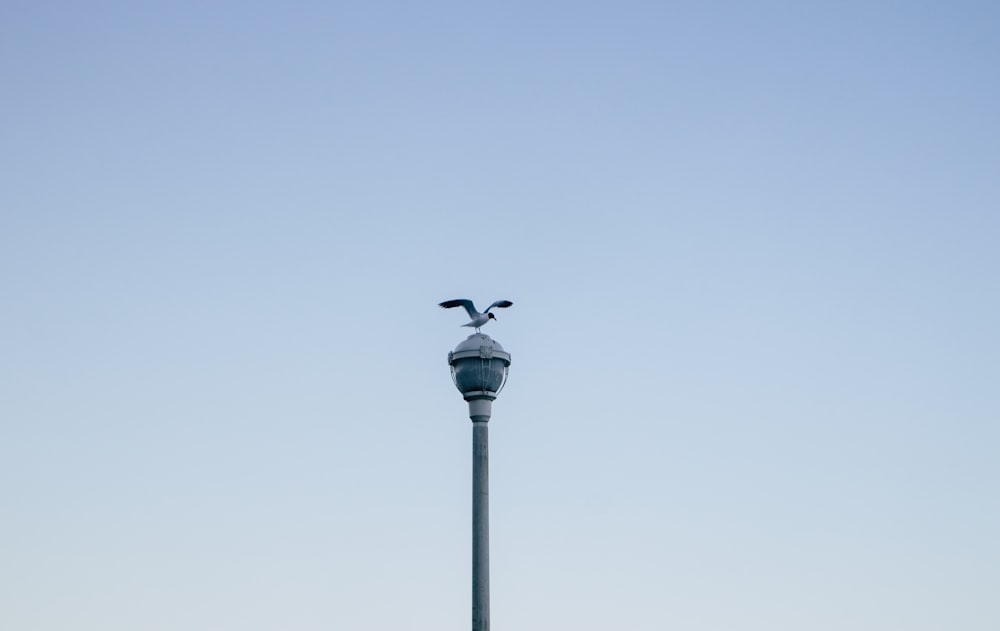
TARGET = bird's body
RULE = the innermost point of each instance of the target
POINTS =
(478, 319)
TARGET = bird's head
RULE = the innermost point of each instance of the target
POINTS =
(492, 317)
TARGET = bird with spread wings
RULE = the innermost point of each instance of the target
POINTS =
(478, 319)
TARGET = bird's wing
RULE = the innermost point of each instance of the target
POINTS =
(461, 302)
(503, 304)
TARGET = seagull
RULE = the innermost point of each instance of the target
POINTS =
(478, 319)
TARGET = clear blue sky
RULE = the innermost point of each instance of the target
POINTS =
(753, 251)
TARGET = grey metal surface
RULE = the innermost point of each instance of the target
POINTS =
(480, 526)
(479, 369)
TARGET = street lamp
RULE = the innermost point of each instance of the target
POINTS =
(479, 368)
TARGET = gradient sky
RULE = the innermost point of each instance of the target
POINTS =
(752, 249)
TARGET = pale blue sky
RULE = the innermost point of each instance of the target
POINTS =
(753, 251)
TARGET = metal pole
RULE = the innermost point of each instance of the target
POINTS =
(480, 525)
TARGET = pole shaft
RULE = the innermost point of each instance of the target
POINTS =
(480, 527)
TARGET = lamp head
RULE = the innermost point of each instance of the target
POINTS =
(479, 367)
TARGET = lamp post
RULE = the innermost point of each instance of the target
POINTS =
(479, 369)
